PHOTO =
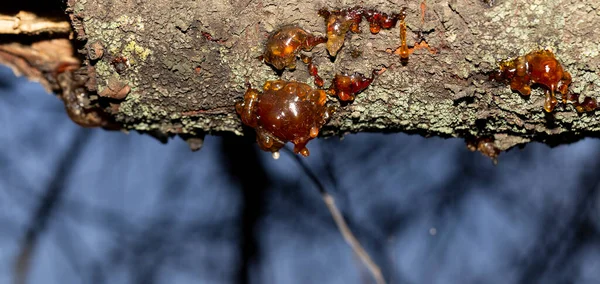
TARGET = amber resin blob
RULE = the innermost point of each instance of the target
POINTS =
(345, 87)
(588, 104)
(538, 67)
(485, 145)
(283, 46)
(340, 22)
(284, 111)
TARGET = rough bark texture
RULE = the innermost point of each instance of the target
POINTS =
(188, 62)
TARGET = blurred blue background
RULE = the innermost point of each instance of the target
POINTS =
(108, 207)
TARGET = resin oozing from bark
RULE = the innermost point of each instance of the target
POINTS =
(312, 70)
(588, 104)
(537, 67)
(339, 22)
(286, 111)
(283, 46)
(345, 87)
(378, 20)
(486, 146)
(404, 53)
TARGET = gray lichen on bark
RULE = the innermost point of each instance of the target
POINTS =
(189, 62)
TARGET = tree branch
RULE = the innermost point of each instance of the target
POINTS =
(177, 68)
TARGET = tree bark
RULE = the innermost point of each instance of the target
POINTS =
(186, 63)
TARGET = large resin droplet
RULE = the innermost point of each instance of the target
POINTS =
(284, 112)
(537, 67)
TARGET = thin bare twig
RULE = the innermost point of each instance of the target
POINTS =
(349, 237)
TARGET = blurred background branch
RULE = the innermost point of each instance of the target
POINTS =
(51, 200)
